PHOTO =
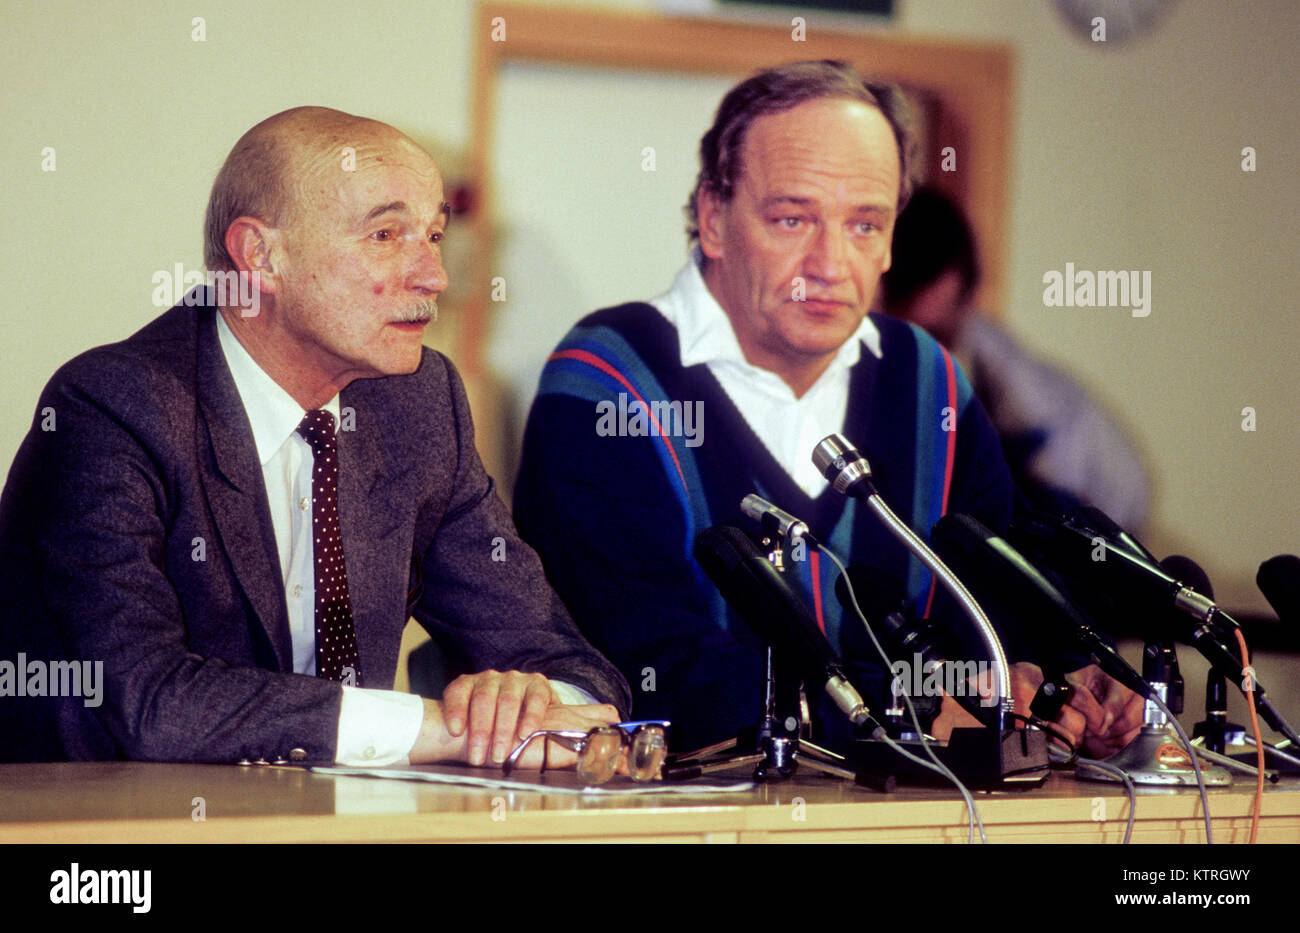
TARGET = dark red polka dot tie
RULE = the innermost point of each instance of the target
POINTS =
(336, 640)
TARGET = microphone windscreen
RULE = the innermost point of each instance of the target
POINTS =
(722, 548)
(1279, 580)
(761, 596)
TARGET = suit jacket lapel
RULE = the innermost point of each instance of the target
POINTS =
(232, 478)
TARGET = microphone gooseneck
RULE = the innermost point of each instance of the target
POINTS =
(850, 475)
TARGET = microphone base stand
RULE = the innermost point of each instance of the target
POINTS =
(1287, 755)
(1232, 764)
(778, 745)
(983, 758)
(775, 747)
(1233, 747)
(1020, 759)
(1214, 734)
(1157, 758)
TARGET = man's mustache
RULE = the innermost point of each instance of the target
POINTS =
(419, 313)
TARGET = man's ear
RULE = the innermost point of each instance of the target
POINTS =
(253, 246)
(710, 213)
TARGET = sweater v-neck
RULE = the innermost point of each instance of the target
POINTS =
(753, 456)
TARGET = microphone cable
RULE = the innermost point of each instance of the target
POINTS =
(1053, 732)
(1128, 786)
(1259, 741)
(1196, 764)
(973, 816)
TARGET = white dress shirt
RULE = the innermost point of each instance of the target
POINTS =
(376, 727)
(789, 427)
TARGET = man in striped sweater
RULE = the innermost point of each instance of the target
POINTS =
(766, 342)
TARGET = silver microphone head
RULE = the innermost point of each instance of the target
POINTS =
(758, 508)
(754, 506)
(841, 463)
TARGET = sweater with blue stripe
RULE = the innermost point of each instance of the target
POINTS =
(614, 518)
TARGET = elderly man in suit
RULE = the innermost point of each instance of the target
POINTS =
(236, 510)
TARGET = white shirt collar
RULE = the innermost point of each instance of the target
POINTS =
(704, 331)
(272, 412)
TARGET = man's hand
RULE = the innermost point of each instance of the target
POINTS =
(1026, 678)
(951, 716)
(569, 718)
(1113, 711)
(497, 710)
(1102, 715)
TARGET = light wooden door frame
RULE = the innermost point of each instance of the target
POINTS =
(971, 81)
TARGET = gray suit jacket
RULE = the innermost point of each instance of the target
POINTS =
(137, 533)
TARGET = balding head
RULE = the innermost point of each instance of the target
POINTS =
(271, 170)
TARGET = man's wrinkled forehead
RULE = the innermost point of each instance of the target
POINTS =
(363, 172)
(788, 150)
(346, 156)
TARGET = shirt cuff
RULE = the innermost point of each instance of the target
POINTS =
(377, 727)
(570, 695)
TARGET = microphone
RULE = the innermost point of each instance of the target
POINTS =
(1215, 725)
(850, 475)
(841, 463)
(1095, 518)
(1153, 588)
(1279, 580)
(776, 521)
(921, 645)
(1001, 574)
(1082, 553)
(1221, 655)
(884, 605)
(753, 587)
(1190, 572)
(1144, 582)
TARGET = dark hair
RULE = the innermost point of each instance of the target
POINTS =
(775, 90)
(930, 237)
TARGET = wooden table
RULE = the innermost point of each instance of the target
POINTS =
(143, 802)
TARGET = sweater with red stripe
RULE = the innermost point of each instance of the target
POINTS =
(614, 515)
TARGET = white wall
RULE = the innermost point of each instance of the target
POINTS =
(1130, 158)
(1126, 157)
(590, 211)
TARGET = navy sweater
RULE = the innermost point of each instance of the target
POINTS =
(614, 518)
